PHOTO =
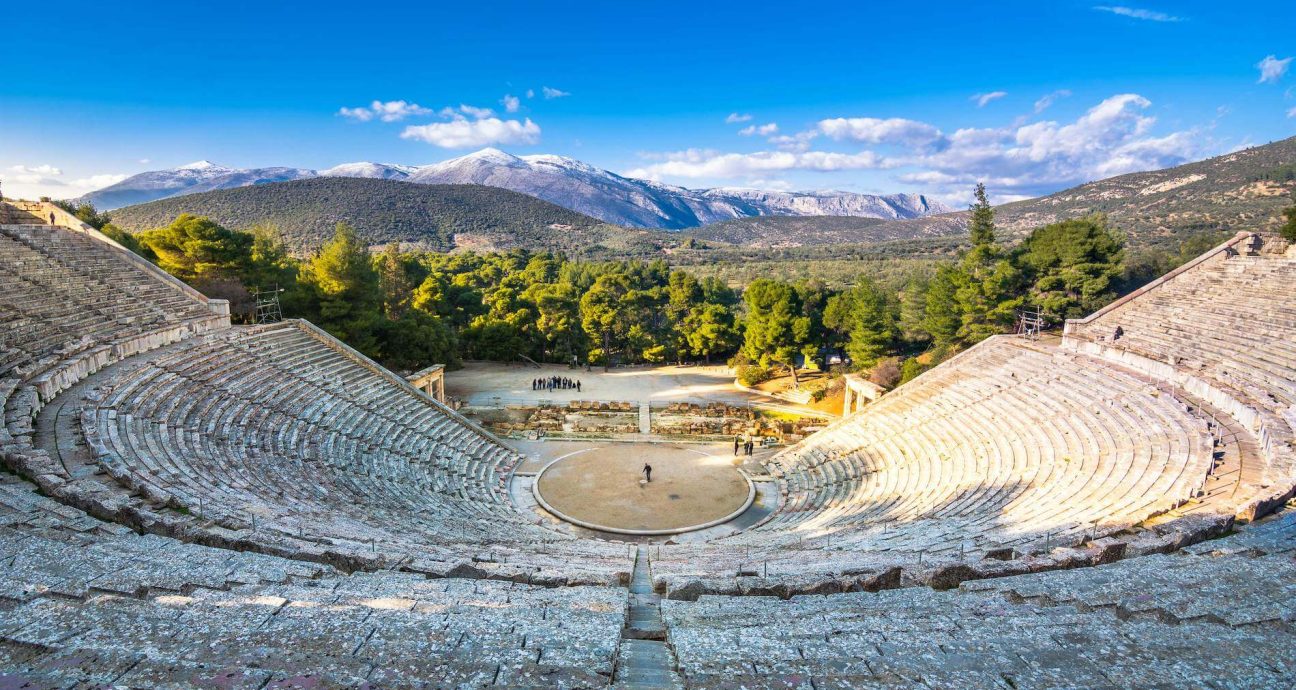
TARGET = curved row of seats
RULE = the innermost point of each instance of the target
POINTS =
(1013, 445)
(72, 303)
(276, 439)
(84, 603)
(1176, 620)
(1228, 323)
(65, 293)
(281, 439)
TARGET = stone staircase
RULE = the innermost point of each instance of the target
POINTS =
(645, 659)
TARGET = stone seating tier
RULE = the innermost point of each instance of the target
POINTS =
(1220, 618)
(91, 604)
(1011, 447)
(1224, 327)
(292, 447)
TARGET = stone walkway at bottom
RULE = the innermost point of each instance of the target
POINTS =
(644, 660)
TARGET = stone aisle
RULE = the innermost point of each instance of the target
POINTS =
(645, 418)
(645, 660)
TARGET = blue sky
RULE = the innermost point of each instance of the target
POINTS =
(1030, 97)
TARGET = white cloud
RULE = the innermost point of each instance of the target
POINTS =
(702, 163)
(1291, 113)
(794, 142)
(772, 184)
(144, 161)
(1047, 100)
(387, 111)
(1111, 138)
(477, 113)
(872, 130)
(982, 99)
(530, 93)
(1272, 69)
(551, 93)
(1137, 13)
(464, 133)
(735, 118)
(99, 181)
(760, 130)
(1017, 160)
(38, 174)
(511, 103)
(35, 181)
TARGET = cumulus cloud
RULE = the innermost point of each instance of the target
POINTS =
(760, 130)
(1111, 138)
(387, 111)
(98, 181)
(478, 113)
(872, 130)
(982, 99)
(1272, 69)
(772, 184)
(735, 118)
(34, 174)
(511, 103)
(552, 93)
(34, 181)
(1137, 13)
(1021, 159)
(1047, 100)
(465, 133)
(702, 163)
(794, 142)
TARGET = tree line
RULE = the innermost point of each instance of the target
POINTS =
(411, 309)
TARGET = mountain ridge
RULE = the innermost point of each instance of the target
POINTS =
(1244, 190)
(567, 182)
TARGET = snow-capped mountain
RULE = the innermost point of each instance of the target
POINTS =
(381, 171)
(202, 176)
(643, 203)
(563, 181)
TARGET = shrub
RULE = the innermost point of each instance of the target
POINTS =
(887, 373)
(752, 374)
(911, 369)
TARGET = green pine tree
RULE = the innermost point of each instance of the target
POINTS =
(981, 227)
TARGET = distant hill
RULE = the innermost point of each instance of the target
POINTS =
(431, 217)
(1243, 190)
(567, 182)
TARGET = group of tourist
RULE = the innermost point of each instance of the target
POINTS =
(745, 446)
(554, 383)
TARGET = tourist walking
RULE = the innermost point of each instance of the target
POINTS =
(737, 440)
(647, 472)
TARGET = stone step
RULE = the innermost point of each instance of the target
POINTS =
(646, 664)
(644, 660)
